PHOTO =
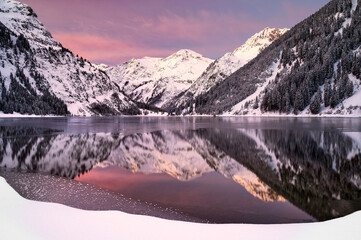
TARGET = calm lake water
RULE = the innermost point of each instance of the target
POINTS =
(222, 170)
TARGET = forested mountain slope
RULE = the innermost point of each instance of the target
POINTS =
(39, 76)
(315, 67)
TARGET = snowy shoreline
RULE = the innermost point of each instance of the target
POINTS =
(75, 194)
(18, 115)
(188, 116)
(26, 219)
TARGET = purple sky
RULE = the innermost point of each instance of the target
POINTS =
(114, 31)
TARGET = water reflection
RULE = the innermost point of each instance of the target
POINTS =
(317, 171)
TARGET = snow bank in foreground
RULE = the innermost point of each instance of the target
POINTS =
(25, 219)
(18, 115)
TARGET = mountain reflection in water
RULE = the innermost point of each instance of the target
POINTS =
(319, 172)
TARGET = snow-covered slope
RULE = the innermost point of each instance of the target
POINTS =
(155, 81)
(230, 62)
(35, 65)
(257, 43)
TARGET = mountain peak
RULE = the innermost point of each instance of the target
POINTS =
(260, 40)
(101, 66)
(185, 54)
(270, 33)
(10, 6)
(22, 20)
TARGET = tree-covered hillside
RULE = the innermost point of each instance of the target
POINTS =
(20, 96)
(320, 54)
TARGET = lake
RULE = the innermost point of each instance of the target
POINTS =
(201, 169)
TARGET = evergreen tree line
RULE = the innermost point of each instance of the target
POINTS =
(327, 62)
(22, 98)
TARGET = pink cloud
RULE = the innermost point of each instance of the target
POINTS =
(96, 48)
(105, 31)
(196, 30)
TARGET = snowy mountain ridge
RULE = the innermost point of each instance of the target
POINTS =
(223, 67)
(155, 81)
(257, 43)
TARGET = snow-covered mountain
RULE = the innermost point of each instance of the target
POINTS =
(230, 62)
(40, 76)
(314, 68)
(155, 81)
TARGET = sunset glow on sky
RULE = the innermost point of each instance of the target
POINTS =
(114, 31)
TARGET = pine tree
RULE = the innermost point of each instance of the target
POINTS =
(256, 103)
(349, 88)
(315, 105)
(298, 102)
(327, 94)
(342, 87)
(288, 103)
(334, 100)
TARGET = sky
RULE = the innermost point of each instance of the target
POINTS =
(115, 31)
